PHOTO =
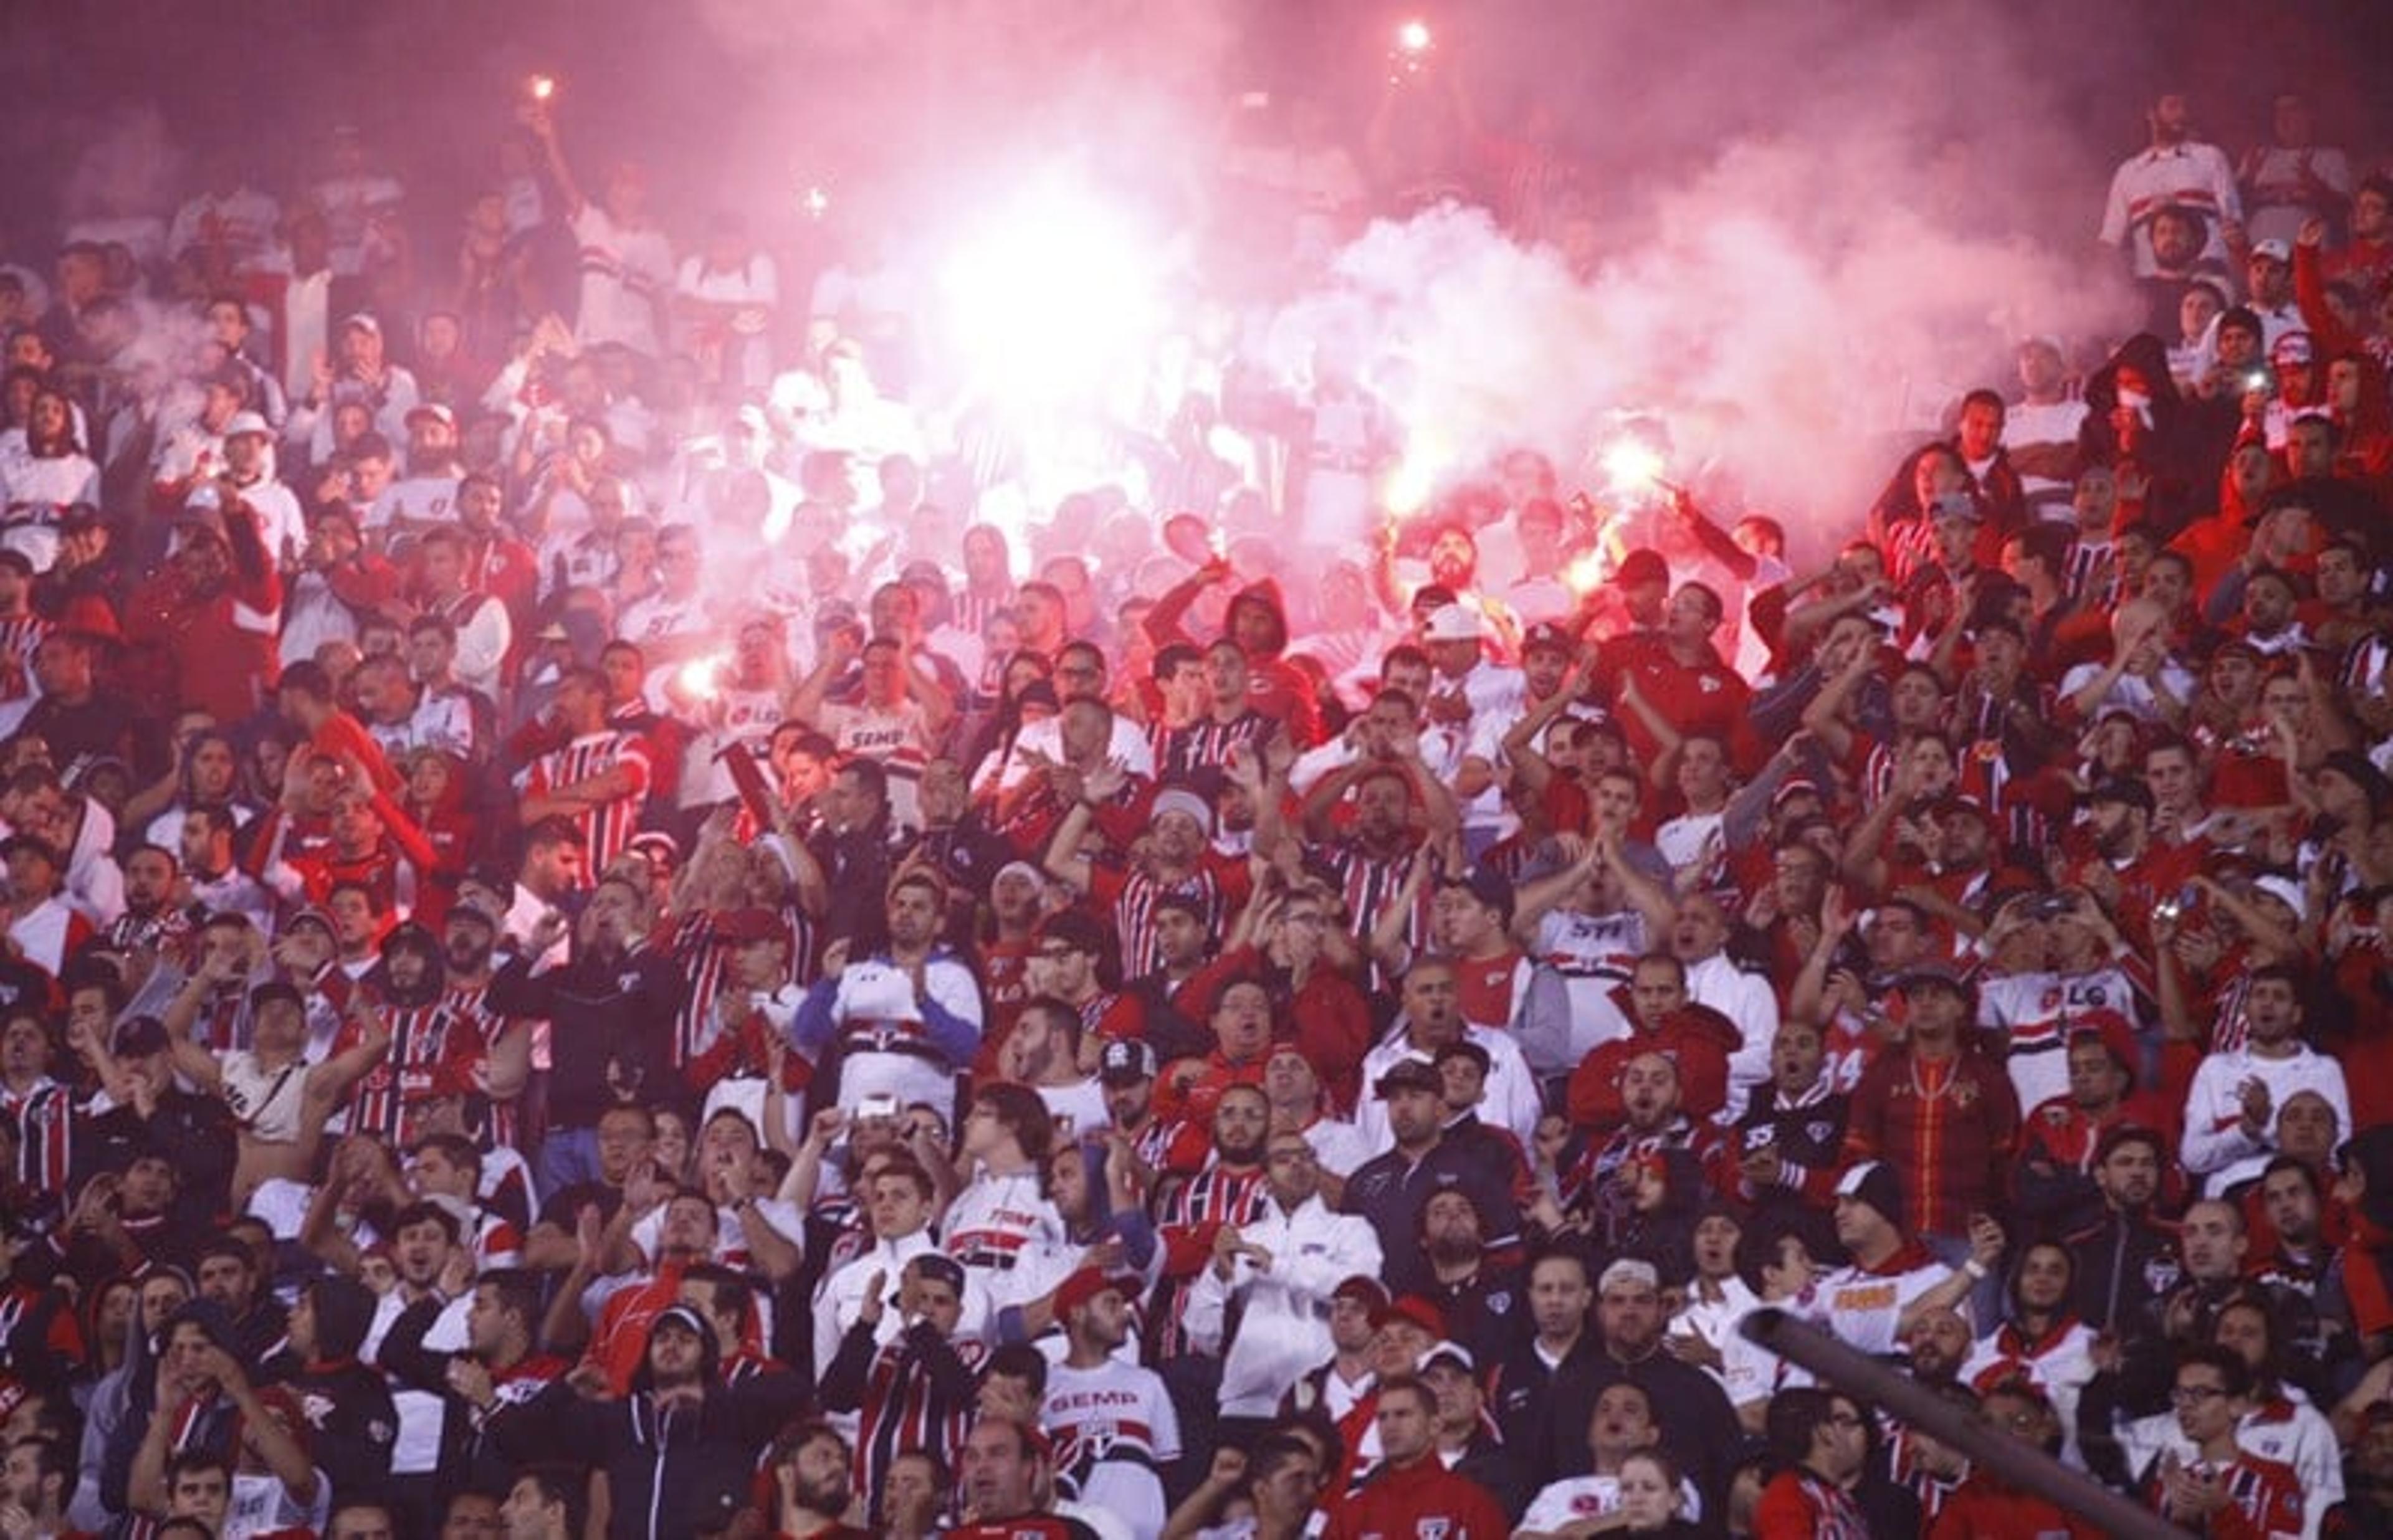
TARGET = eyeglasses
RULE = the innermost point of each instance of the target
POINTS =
(2194, 1395)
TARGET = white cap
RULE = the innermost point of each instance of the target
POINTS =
(1453, 623)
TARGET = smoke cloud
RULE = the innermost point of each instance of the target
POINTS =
(1812, 245)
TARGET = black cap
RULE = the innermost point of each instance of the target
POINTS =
(940, 1267)
(1933, 976)
(1410, 1074)
(1486, 884)
(1124, 1063)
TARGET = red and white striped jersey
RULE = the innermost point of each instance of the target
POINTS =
(42, 1117)
(608, 827)
(385, 1101)
(1219, 884)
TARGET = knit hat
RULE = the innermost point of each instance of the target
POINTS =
(1874, 1183)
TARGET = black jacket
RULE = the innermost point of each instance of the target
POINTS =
(2121, 1264)
(670, 1475)
(613, 1018)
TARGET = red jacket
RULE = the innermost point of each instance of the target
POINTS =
(1402, 1501)
(1985, 1508)
(1800, 1506)
(1952, 1144)
(1698, 1039)
(1329, 1014)
(215, 650)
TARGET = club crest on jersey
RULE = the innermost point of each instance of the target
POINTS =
(2161, 1275)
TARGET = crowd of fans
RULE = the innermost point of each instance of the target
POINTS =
(591, 949)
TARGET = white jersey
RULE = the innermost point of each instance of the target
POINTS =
(2191, 176)
(1863, 1309)
(1594, 954)
(2216, 1147)
(419, 501)
(2036, 1011)
(1009, 1237)
(1576, 1499)
(625, 274)
(1113, 1427)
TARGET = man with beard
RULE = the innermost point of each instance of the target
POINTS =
(499, 1366)
(2059, 1138)
(210, 613)
(493, 1052)
(406, 989)
(1231, 1191)
(2124, 1257)
(2129, 870)
(1690, 1408)
(1939, 1342)
(1271, 1287)
(1393, 1190)
(1479, 1295)
(678, 1450)
(1111, 1422)
(812, 1491)
(904, 1021)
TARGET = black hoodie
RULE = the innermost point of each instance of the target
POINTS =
(672, 1472)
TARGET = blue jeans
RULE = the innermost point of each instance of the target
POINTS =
(567, 1156)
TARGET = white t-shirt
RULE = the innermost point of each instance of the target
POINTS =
(623, 272)
(1113, 1426)
(1863, 1309)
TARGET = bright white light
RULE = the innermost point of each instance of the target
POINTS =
(1413, 36)
(701, 678)
(1632, 467)
(1417, 475)
(1584, 573)
(542, 87)
(1050, 296)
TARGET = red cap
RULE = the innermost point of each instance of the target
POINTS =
(1419, 1311)
(2111, 1029)
(1085, 1286)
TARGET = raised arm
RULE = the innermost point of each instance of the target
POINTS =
(542, 123)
